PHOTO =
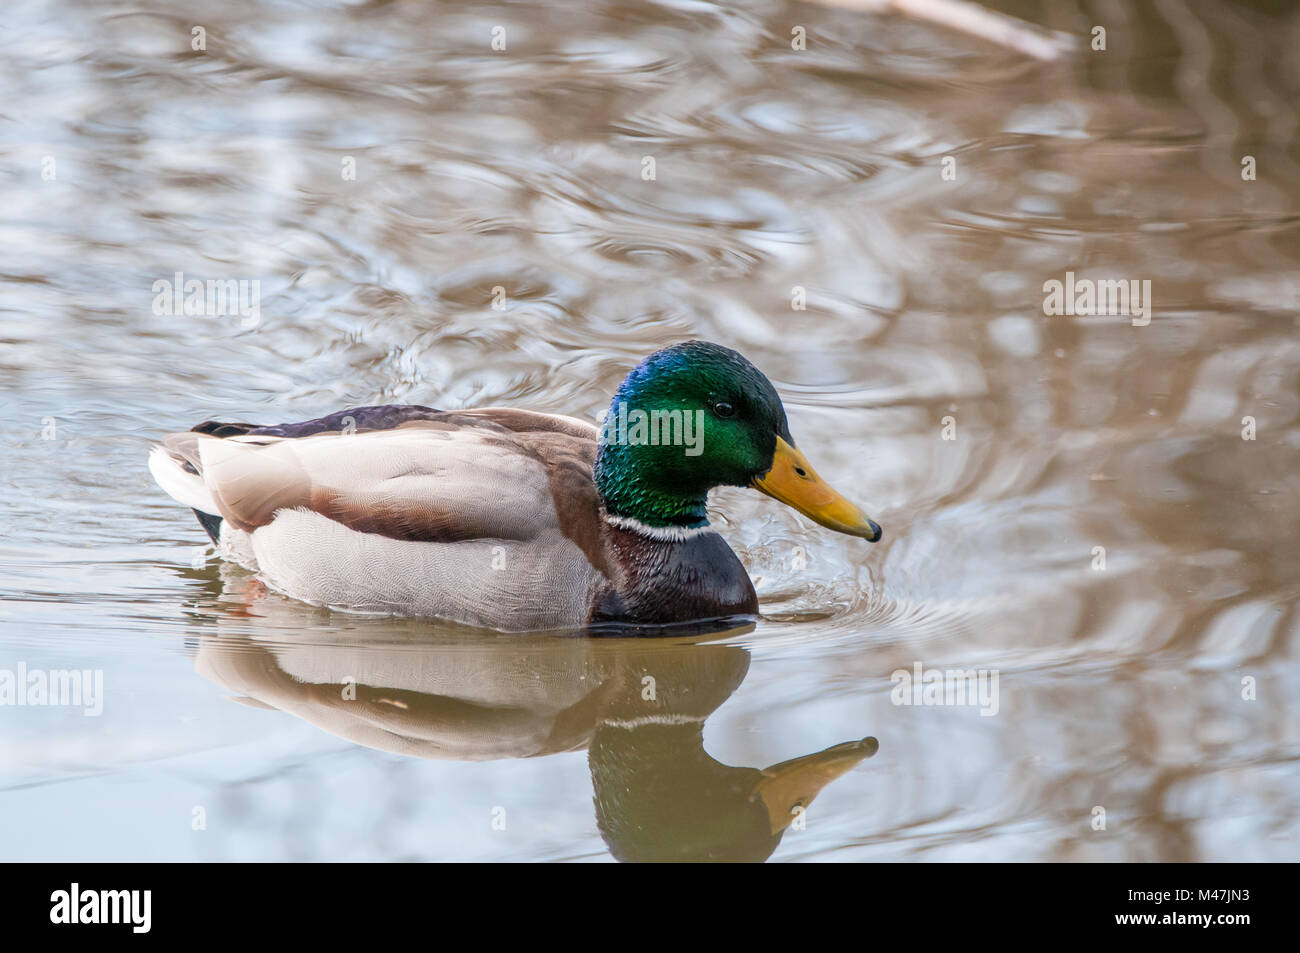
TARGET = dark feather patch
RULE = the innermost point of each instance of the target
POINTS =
(376, 417)
(215, 428)
(211, 525)
(668, 582)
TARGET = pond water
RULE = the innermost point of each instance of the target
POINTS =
(1100, 510)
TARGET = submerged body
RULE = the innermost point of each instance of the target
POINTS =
(499, 517)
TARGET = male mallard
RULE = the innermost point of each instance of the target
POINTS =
(506, 518)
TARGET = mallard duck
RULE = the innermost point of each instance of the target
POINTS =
(506, 518)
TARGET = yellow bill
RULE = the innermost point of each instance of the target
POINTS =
(794, 482)
(793, 784)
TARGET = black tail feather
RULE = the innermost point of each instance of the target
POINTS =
(211, 524)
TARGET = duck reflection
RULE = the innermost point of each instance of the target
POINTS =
(638, 707)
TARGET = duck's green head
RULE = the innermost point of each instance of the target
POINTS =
(697, 415)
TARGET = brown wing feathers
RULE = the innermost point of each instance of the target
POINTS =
(425, 475)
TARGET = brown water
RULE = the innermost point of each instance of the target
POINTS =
(1157, 688)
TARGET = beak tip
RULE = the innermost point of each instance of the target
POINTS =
(876, 530)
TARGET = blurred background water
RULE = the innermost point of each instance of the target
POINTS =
(380, 169)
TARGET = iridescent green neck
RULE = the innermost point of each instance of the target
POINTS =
(687, 418)
(625, 478)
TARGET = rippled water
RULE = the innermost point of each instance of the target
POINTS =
(1152, 680)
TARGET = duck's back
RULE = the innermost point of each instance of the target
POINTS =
(488, 517)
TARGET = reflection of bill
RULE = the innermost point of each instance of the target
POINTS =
(638, 706)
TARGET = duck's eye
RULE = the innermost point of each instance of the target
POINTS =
(724, 409)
